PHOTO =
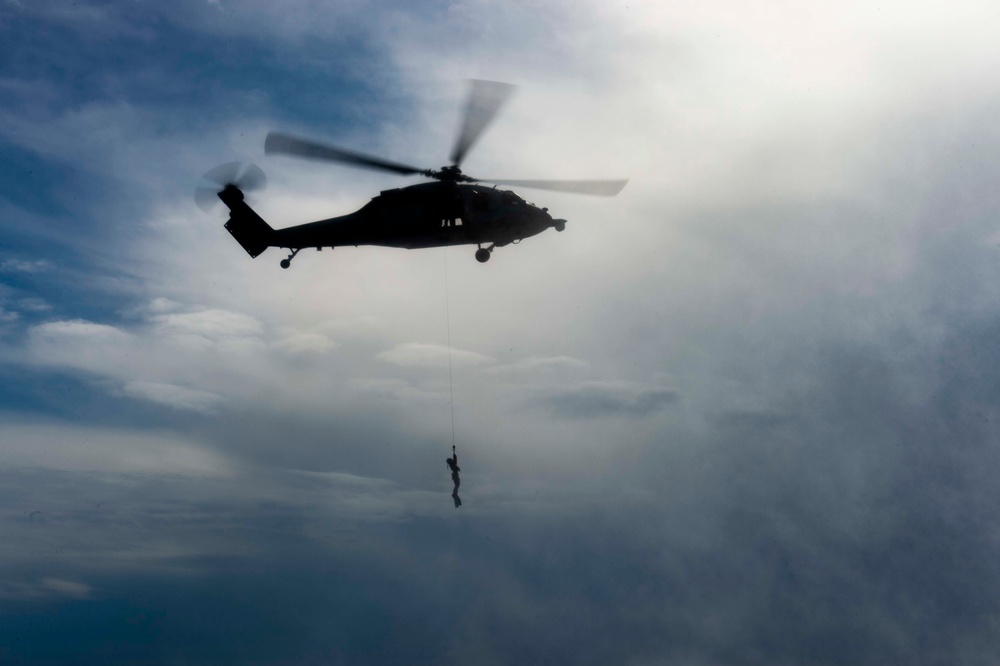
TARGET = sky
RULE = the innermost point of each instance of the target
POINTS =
(745, 412)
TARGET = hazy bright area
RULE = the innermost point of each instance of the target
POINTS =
(746, 412)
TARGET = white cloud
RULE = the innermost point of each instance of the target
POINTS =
(541, 365)
(213, 324)
(416, 354)
(80, 344)
(45, 588)
(159, 306)
(214, 330)
(25, 266)
(397, 390)
(79, 330)
(66, 588)
(595, 400)
(80, 449)
(790, 192)
(34, 304)
(716, 111)
(178, 397)
(346, 481)
(305, 343)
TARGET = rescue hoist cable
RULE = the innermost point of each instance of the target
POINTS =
(447, 317)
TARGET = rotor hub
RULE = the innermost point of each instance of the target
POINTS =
(452, 173)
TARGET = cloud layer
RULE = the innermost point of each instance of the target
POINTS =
(743, 413)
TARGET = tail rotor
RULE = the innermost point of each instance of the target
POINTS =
(243, 176)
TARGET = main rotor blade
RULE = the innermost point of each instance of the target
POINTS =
(284, 144)
(599, 188)
(485, 99)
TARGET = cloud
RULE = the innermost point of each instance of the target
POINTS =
(14, 303)
(160, 305)
(799, 255)
(416, 354)
(212, 324)
(748, 420)
(81, 448)
(398, 390)
(25, 266)
(595, 400)
(34, 304)
(79, 343)
(78, 331)
(298, 344)
(45, 588)
(66, 588)
(540, 365)
(178, 397)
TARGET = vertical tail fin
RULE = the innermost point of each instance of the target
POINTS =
(247, 227)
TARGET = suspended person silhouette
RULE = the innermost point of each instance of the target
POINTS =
(455, 469)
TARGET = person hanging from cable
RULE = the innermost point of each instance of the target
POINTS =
(455, 469)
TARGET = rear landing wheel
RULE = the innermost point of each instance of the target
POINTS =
(286, 262)
(482, 255)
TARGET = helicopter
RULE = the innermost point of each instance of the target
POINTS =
(455, 209)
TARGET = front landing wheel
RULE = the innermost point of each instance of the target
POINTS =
(482, 255)
(285, 263)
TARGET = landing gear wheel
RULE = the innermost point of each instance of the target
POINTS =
(482, 255)
(285, 263)
(560, 225)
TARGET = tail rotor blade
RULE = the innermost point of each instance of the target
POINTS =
(206, 198)
(485, 100)
(247, 177)
(224, 174)
(252, 179)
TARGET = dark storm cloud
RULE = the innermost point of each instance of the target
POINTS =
(745, 420)
(857, 530)
(129, 52)
(81, 82)
(600, 400)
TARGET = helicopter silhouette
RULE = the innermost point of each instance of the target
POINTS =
(454, 210)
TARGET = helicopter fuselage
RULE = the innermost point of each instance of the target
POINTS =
(426, 215)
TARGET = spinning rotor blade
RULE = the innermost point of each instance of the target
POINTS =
(278, 143)
(247, 177)
(599, 188)
(485, 99)
(206, 198)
